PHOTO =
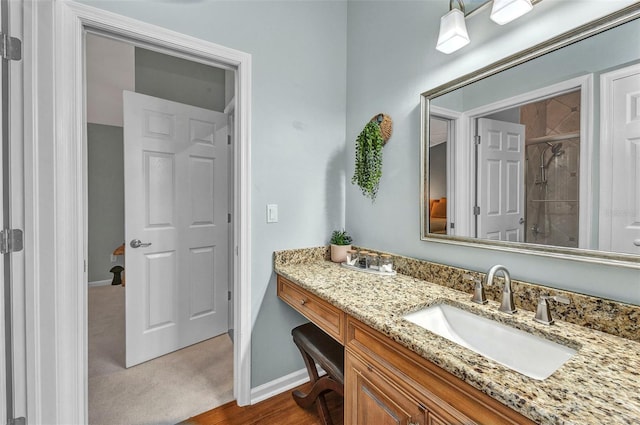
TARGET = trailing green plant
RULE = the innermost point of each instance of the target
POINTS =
(340, 237)
(368, 169)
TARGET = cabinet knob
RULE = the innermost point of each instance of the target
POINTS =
(303, 302)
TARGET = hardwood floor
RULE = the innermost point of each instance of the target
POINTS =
(278, 410)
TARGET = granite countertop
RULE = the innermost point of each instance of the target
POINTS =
(599, 385)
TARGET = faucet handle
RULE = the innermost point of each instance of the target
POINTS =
(543, 312)
(479, 296)
(467, 276)
(559, 298)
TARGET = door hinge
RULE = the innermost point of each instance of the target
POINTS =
(10, 47)
(476, 139)
(229, 218)
(18, 421)
(228, 295)
(452, 225)
(228, 139)
(11, 241)
(476, 210)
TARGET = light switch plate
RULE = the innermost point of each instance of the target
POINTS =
(272, 213)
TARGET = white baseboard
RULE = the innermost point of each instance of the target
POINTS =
(280, 385)
(100, 282)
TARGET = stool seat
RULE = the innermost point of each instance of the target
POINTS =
(326, 351)
(318, 347)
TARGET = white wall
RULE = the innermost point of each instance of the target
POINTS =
(298, 53)
(109, 70)
(389, 65)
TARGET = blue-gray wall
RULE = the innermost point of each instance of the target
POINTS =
(298, 53)
(391, 82)
(106, 198)
(179, 80)
(301, 71)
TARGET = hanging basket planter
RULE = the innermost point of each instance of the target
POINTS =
(386, 126)
(369, 143)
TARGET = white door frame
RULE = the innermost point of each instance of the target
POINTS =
(55, 158)
(607, 151)
(585, 84)
(456, 192)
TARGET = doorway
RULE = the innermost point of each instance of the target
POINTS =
(171, 114)
(534, 148)
(57, 333)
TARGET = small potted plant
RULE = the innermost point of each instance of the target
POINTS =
(340, 244)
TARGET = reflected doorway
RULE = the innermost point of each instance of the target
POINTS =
(551, 174)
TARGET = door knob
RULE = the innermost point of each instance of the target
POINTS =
(137, 243)
(521, 221)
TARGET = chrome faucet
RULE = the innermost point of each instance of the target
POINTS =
(543, 312)
(507, 305)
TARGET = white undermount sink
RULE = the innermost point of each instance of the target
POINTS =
(521, 351)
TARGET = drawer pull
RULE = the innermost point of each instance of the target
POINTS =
(303, 302)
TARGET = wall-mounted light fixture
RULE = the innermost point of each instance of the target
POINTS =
(453, 30)
(504, 11)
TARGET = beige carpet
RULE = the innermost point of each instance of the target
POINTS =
(165, 390)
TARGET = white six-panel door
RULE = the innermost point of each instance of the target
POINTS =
(620, 161)
(176, 201)
(501, 180)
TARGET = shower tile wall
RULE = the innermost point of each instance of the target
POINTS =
(552, 207)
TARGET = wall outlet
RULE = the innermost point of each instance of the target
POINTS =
(113, 258)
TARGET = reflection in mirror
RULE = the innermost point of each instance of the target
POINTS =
(438, 136)
(520, 158)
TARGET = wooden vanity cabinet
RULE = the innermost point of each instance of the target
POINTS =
(388, 384)
(374, 398)
(327, 317)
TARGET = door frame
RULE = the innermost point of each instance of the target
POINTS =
(606, 150)
(456, 193)
(585, 84)
(56, 158)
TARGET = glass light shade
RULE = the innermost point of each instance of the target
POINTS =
(504, 11)
(453, 32)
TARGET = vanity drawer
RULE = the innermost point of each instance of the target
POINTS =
(327, 317)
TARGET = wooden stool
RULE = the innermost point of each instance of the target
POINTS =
(318, 347)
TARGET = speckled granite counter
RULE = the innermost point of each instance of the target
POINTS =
(599, 385)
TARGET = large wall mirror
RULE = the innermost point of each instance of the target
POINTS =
(540, 152)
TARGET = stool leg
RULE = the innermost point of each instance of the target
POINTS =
(317, 391)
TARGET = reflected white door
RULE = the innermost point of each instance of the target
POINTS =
(176, 205)
(620, 161)
(501, 180)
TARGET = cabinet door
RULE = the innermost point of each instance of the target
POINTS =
(372, 398)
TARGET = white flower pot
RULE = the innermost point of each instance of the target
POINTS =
(339, 253)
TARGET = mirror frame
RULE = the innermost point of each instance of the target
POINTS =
(597, 26)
